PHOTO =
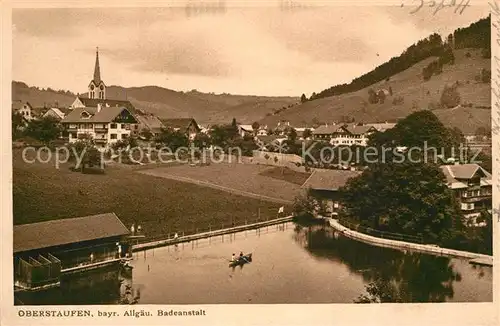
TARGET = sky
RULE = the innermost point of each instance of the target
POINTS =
(240, 50)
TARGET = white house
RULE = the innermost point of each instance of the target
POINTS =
(104, 125)
(245, 130)
(24, 109)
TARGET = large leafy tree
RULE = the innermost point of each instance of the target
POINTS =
(421, 129)
(408, 198)
(45, 129)
(172, 139)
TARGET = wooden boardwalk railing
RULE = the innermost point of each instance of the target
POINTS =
(191, 237)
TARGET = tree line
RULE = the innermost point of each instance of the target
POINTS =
(477, 35)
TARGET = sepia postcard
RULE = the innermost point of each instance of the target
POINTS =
(276, 162)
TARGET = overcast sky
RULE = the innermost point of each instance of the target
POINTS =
(264, 51)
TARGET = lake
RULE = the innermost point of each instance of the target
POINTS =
(290, 264)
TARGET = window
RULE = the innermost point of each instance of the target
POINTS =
(124, 136)
(123, 126)
(113, 136)
(113, 126)
(136, 127)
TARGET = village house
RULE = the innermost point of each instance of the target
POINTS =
(44, 251)
(25, 109)
(344, 134)
(472, 186)
(56, 113)
(262, 131)
(96, 99)
(104, 126)
(187, 126)
(148, 122)
(325, 185)
(282, 128)
(245, 130)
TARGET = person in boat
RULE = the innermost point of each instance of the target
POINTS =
(241, 254)
(233, 258)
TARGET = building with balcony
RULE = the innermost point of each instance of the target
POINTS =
(344, 134)
(105, 126)
(472, 186)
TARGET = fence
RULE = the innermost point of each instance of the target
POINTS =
(169, 234)
(381, 234)
(204, 233)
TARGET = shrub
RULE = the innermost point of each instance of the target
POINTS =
(468, 55)
(450, 97)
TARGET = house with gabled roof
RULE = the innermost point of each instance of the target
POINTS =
(25, 109)
(472, 186)
(105, 126)
(325, 185)
(344, 134)
(56, 113)
(184, 125)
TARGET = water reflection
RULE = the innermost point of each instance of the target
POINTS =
(110, 285)
(392, 275)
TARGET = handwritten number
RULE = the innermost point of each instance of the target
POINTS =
(463, 6)
(418, 8)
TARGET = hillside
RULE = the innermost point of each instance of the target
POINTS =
(416, 94)
(206, 108)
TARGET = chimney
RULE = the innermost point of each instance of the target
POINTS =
(99, 107)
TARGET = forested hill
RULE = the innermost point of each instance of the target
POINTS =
(476, 36)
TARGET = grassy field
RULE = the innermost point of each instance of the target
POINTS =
(41, 192)
(287, 175)
(237, 178)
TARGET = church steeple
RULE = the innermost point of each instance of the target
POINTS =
(97, 69)
(97, 88)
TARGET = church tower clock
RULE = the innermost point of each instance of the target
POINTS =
(97, 88)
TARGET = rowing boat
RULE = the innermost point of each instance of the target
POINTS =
(241, 260)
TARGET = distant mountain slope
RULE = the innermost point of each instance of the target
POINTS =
(40, 97)
(416, 94)
(206, 108)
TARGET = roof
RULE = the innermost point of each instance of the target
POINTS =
(92, 102)
(246, 127)
(18, 105)
(356, 129)
(58, 112)
(326, 129)
(179, 123)
(106, 115)
(382, 126)
(455, 173)
(66, 231)
(329, 179)
(151, 122)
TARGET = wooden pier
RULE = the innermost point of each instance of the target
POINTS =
(209, 234)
